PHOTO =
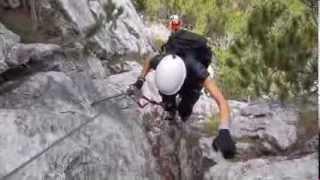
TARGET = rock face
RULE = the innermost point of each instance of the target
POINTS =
(271, 125)
(7, 40)
(47, 106)
(110, 27)
(51, 130)
(64, 113)
(266, 169)
(24, 53)
(14, 54)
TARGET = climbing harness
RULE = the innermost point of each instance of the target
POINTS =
(147, 100)
(140, 99)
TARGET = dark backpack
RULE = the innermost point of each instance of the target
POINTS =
(184, 42)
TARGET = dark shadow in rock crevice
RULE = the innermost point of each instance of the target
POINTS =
(13, 77)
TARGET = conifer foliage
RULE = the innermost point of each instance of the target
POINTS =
(273, 51)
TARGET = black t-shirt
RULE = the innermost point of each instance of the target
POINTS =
(196, 72)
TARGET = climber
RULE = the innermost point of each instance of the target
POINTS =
(182, 70)
(175, 23)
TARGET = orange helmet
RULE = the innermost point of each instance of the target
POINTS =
(175, 23)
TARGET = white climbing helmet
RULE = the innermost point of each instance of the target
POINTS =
(170, 74)
(174, 17)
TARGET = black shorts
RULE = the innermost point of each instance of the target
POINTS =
(185, 106)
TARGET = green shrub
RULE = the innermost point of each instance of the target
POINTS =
(273, 51)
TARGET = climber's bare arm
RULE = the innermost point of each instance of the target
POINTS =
(214, 91)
